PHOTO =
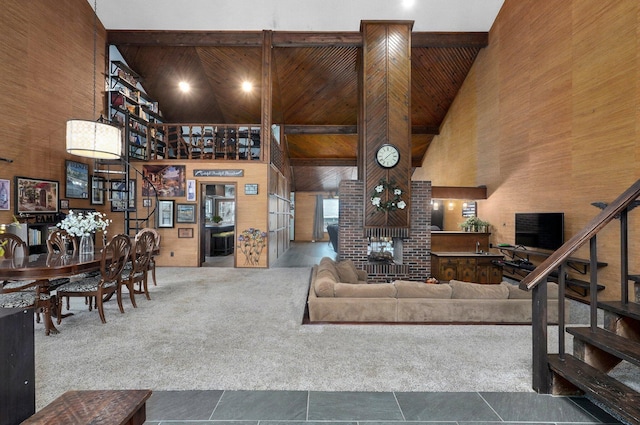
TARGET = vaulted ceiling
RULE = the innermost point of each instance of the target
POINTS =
(315, 87)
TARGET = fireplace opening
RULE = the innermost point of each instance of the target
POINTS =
(385, 250)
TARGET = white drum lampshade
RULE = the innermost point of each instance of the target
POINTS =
(93, 139)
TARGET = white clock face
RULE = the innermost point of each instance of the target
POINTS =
(388, 156)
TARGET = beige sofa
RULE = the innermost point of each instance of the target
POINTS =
(338, 292)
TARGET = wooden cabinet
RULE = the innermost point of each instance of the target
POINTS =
(468, 267)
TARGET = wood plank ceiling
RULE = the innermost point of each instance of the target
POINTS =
(315, 89)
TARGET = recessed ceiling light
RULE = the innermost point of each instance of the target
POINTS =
(247, 86)
(184, 86)
(407, 4)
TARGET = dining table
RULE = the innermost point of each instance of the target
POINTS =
(41, 269)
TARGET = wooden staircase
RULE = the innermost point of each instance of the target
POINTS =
(135, 218)
(597, 348)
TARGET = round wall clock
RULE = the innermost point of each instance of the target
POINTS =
(387, 156)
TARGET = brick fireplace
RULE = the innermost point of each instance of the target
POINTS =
(353, 238)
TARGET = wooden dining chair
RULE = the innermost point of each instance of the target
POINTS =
(156, 250)
(114, 256)
(24, 294)
(138, 273)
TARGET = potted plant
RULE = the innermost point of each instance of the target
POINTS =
(217, 219)
(474, 224)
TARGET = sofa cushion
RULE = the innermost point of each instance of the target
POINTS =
(324, 286)
(373, 290)
(347, 271)
(409, 289)
(468, 290)
(515, 293)
(327, 263)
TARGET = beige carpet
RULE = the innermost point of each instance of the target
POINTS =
(231, 329)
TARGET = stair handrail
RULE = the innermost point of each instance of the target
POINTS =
(561, 255)
(536, 281)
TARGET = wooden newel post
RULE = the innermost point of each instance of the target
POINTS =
(541, 373)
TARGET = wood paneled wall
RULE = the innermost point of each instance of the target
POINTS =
(46, 63)
(251, 212)
(548, 120)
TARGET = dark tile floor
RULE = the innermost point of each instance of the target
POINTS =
(375, 408)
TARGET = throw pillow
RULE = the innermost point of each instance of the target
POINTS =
(347, 271)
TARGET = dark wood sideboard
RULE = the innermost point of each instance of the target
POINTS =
(466, 266)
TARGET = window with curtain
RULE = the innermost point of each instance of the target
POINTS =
(330, 207)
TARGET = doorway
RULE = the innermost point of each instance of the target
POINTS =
(218, 224)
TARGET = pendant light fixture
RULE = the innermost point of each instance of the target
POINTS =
(94, 139)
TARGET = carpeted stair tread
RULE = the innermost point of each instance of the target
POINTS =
(630, 309)
(615, 397)
(619, 346)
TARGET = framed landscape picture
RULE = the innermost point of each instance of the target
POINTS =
(77, 180)
(36, 195)
(185, 213)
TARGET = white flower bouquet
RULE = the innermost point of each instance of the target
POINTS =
(84, 223)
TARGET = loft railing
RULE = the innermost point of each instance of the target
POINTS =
(537, 280)
(238, 142)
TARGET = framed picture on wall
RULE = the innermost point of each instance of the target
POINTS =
(119, 196)
(97, 190)
(36, 195)
(64, 204)
(185, 232)
(165, 213)
(191, 191)
(168, 181)
(77, 180)
(5, 201)
(185, 213)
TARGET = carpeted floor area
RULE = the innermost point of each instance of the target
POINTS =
(240, 329)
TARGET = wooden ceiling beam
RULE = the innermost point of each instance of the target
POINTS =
(284, 38)
(185, 38)
(350, 129)
(316, 39)
(323, 162)
(320, 129)
(450, 39)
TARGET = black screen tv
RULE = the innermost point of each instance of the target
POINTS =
(540, 230)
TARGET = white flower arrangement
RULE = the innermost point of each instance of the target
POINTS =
(395, 203)
(84, 224)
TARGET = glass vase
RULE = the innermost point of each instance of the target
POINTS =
(86, 245)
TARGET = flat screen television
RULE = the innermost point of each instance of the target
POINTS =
(540, 230)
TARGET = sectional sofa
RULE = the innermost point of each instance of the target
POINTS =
(338, 292)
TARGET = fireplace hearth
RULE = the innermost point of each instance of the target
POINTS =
(386, 253)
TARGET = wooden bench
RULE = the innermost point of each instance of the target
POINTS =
(97, 407)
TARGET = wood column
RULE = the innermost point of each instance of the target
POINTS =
(385, 111)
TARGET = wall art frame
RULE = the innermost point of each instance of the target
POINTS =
(97, 190)
(36, 196)
(185, 232)
(185, 213)
(76, 176)
(119, 196)
(5, 198)
(166, 213)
